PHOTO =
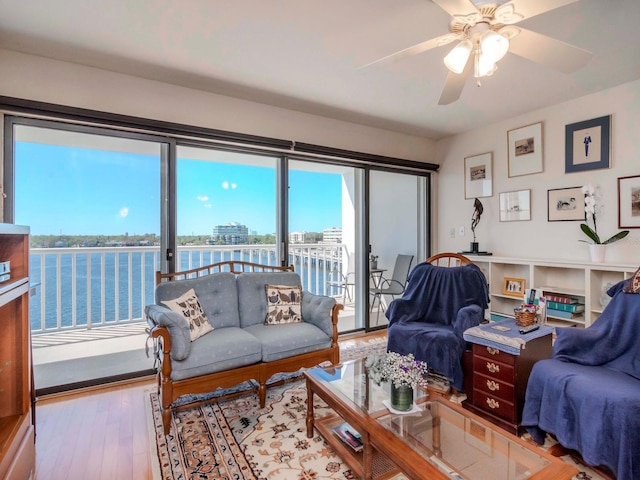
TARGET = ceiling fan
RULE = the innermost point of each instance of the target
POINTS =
(486, 31)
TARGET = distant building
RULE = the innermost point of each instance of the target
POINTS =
(230, 234)
(332, 235)
(297, 237)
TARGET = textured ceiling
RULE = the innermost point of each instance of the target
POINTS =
(305, 55)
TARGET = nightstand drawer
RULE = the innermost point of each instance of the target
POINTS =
(494, 354)
(494, 369)
(493, 387)
(495, 405)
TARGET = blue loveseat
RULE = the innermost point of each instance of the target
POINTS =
(240, 347)
(588, 393)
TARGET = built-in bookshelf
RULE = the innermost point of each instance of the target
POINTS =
(586, 282)
(17, 434)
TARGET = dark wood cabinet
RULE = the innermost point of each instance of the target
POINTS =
(499, 379)
(17, 433)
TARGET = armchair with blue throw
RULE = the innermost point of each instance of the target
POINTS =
(438, 305)
(588, 393)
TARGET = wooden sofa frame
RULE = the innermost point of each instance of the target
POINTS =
(169, 390)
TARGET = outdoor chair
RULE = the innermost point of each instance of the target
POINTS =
(344, 281)
(393, 286)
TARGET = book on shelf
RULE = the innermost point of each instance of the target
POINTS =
(552, 312)
(554, 297)
(566, 307)
(349, 435)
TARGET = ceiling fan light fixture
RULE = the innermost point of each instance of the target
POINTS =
(494, 45)
(484, 65)
(457, 58)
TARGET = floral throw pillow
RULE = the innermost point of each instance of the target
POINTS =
(283, 304)
(189, 307)
(633, 285)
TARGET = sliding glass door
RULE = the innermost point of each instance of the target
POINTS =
(226, 207)
(324, 243)
(397, 236)
(92, 201)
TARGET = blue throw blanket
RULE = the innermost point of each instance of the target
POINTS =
(438, 305)
(588, 393)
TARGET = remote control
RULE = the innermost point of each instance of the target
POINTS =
(529, 329)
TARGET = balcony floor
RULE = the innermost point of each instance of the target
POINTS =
(63, 360)
(72, 359)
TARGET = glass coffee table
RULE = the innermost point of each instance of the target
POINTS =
(439, 439)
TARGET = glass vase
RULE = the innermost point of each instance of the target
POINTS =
(401, 397)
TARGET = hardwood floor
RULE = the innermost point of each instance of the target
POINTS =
(100, 433)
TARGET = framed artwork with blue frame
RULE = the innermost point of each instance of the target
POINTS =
(588, 145)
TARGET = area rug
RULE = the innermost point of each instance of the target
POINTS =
(234, 439)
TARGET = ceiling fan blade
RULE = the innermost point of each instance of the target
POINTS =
(416, 49)
(548, 51)
(457, 7)
(455, 84)
(527, 9)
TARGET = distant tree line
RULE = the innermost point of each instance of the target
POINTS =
(147, 239)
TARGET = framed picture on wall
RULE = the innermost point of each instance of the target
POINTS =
(587, 145)
(515, 206)
(629, 202)
(478, 176)
(525, 150)
(565, 204)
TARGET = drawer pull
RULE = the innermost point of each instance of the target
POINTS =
(492, 403)
(493, 386)
(493, 351)
(492, 367)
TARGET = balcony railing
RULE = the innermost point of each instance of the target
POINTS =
(81, 288)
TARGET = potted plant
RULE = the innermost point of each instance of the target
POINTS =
(598, 248)
(403, 372)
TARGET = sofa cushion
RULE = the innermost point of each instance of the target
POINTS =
(221, 350)
(189, 307)
(283, 304)
(217, 294)
(317, 309)
(252, 299)
(282, 341)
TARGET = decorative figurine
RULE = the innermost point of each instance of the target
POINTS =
(475, 220)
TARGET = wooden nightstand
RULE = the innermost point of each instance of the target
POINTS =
(499, 373)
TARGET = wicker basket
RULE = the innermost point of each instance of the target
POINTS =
(524, 319)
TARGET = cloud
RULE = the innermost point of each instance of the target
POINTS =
(202, 198)
(208, 205)
(124, 211)
(225, 185)
(233, 185)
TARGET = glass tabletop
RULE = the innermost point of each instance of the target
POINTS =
(461, 447)
(445, 435)
(350, 381)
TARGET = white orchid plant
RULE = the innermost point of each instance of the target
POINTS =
(396, 368)
(590, 206)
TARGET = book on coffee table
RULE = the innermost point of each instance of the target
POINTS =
(349, 435)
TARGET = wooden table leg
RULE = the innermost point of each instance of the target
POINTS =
(309, 411)
(367, 457)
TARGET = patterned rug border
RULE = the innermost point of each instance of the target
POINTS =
(154, 461)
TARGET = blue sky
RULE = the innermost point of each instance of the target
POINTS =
(74, 191)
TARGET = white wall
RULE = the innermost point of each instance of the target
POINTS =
(539, 238)
(38, 78)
